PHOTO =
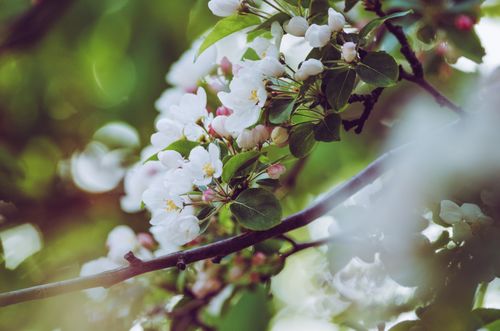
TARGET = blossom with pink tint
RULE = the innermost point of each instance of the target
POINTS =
(276, 170)
(146, 240)
(223, 111)
(209, 195)
(226, 66)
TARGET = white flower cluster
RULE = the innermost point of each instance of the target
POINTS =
(216, 107)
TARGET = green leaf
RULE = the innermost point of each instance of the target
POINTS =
(328, 129)
(494, 326)
(301, 139)
(349, 4)
(238, 162)
(281, 110)
(487, 315)
(249, 310)
(257, 209)
(318, 9)
(226, 26)
(372, 25)
(303, 3)
(405, 326)
(467, 42)
(250, 54)
(183, 147)
(339, 88)
(268, 182)
(378, 69)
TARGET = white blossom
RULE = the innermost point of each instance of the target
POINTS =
(264, 47)
(349, 52)
(159, 199)
(219, 126)
(247, 97)
(249, 139)
(318, 35)
(336, 20)
(204, 164)
(171, 159)
(224, 8)
(271, 67)
(121, 240)
(309, 68)
(168, 132)
(177, 231)
(296, 26)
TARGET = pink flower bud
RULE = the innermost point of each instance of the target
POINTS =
(209, 195)
(226, 66)
(276, 170)
(258, 259)
(146, 240)
(464, 23)
(223, 111)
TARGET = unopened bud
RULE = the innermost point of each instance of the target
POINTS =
(279, 136)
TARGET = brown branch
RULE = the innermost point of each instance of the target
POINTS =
(417, 76)
(302, 246)
(220, 248)
(369, 101)
(33, 25)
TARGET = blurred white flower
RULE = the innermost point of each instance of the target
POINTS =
(118, 135)
(189, 69)
(97, 169)
(171, 96)
(224, 8)
(336, 20)
(19, 243)
(204, 164)
(97, 266)
(318, 35)
(296, 26)
(137, 180)
(462, 217)
(171, 159)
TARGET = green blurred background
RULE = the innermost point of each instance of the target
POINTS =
(101, 61)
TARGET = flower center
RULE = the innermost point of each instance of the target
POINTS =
(171, 206)
(253, 96)
(208, 169)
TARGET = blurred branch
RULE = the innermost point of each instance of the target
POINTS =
(220, 248)
(417, 75)
(33, 25)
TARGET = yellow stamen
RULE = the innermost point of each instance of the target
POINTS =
(171, 206)
(208, 169)
(253, 96)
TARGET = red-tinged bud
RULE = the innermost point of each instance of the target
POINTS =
(464, 23)
(254, 277)
(226, 66)
(258, 259)
(276, 170)
(209, 195)
(223, 111)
